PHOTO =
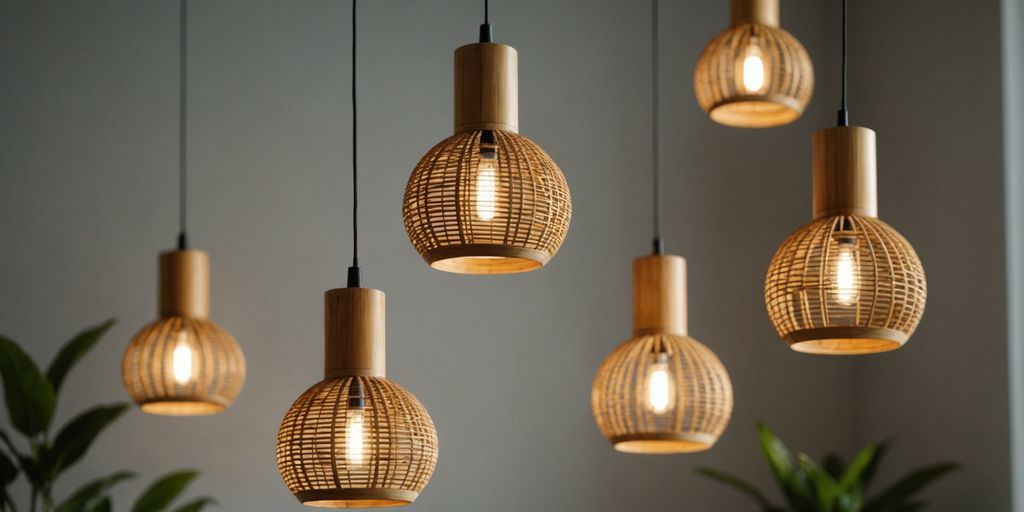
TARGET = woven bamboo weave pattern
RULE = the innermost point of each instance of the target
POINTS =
(531, 206)
(702, 396)
(881, 311)
(217, 367)
(788, 79)
(399, 442)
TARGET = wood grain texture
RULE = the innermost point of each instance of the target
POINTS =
(184, 284)
(764, 12)
(354, 332)
(486, 88)
(844, 172)
(659, 295)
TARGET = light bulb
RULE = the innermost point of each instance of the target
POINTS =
(181, 359)
(845, 275)
(659, 385)
(354, 442)
(486, 187)
(753, 68)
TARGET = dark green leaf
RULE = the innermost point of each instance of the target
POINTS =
(73, 351)
(901, 492)
(163, 492)
(834, 465)
(30, 399)
(852, 478)
(8, 470)
(737, 484)
(196, 505)
(826, 490)
(104, 505)
(89, 495)
(869, 472)
(781, 463)
(76, 437)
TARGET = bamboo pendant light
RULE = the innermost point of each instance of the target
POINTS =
(356, 439)
(486, 200)
(846, 283)
(661, 391)
(183, 364)
(754, 74)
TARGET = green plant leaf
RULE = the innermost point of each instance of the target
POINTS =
(104, 505)
(73, 351)
(780, 461)
(196, 505)
(826, 490)
(869, 472)
(30, 399)
(852, 478)
(737, 484)
(834, 465)
(8, 470)
(89, 496)
(75, 438)
(163, 492)
(900, 493)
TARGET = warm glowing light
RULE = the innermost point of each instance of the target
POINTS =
(182, 359)
(753, 69)
(486, 188)
(846, 275)
(659, 385)
(354, 442)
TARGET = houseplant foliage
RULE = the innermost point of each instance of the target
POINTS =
(31, 399)
(833, 486)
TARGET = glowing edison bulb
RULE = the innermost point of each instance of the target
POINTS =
(354, 434)
(753, 69)
(486, 187)
(659, 385)
(181, 359)
(846, 274)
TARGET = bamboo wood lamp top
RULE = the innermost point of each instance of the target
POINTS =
(185, 283)
(354, 333)
(486, 88)
(659, 295)
(762, 12)
(844, 172)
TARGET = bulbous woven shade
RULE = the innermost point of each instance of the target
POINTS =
(399, 447)
(784, 84)
(528, 206)
(875, 312)
(214, 361)
(702, 398)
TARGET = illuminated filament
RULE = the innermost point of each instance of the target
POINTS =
(486, 188)
(753, 69)
(659, 385)
(181, 360)
(354, 442)
(845, 278)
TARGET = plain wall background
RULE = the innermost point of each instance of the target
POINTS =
(88, 124)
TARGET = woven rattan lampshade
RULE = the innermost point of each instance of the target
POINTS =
(486, 200)
(754, 74)
(356, 439)
(847, 283)
(183, 364)
(661, 391)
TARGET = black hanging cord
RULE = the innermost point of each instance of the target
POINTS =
(183, 128)
(659, 246)
(353, 271)
(844, 114)
(486, 35)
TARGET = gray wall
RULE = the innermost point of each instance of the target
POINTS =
(504, 364)
(1013, 151)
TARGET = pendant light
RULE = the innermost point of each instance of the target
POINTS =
(661, 391)
(356, 439)
(486, 200)
(183, 364)
(754, 74)
(847, 283)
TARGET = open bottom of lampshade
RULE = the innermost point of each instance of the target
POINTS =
(756, 111)
(182, 407)
(846, 340)
(654, 444)
(486, 259)
(357, 498)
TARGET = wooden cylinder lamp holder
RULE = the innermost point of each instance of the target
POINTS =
(761, 12)
(185, 284)
(659, 295)
(844, 172)
(486, 88)
(354, 333)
